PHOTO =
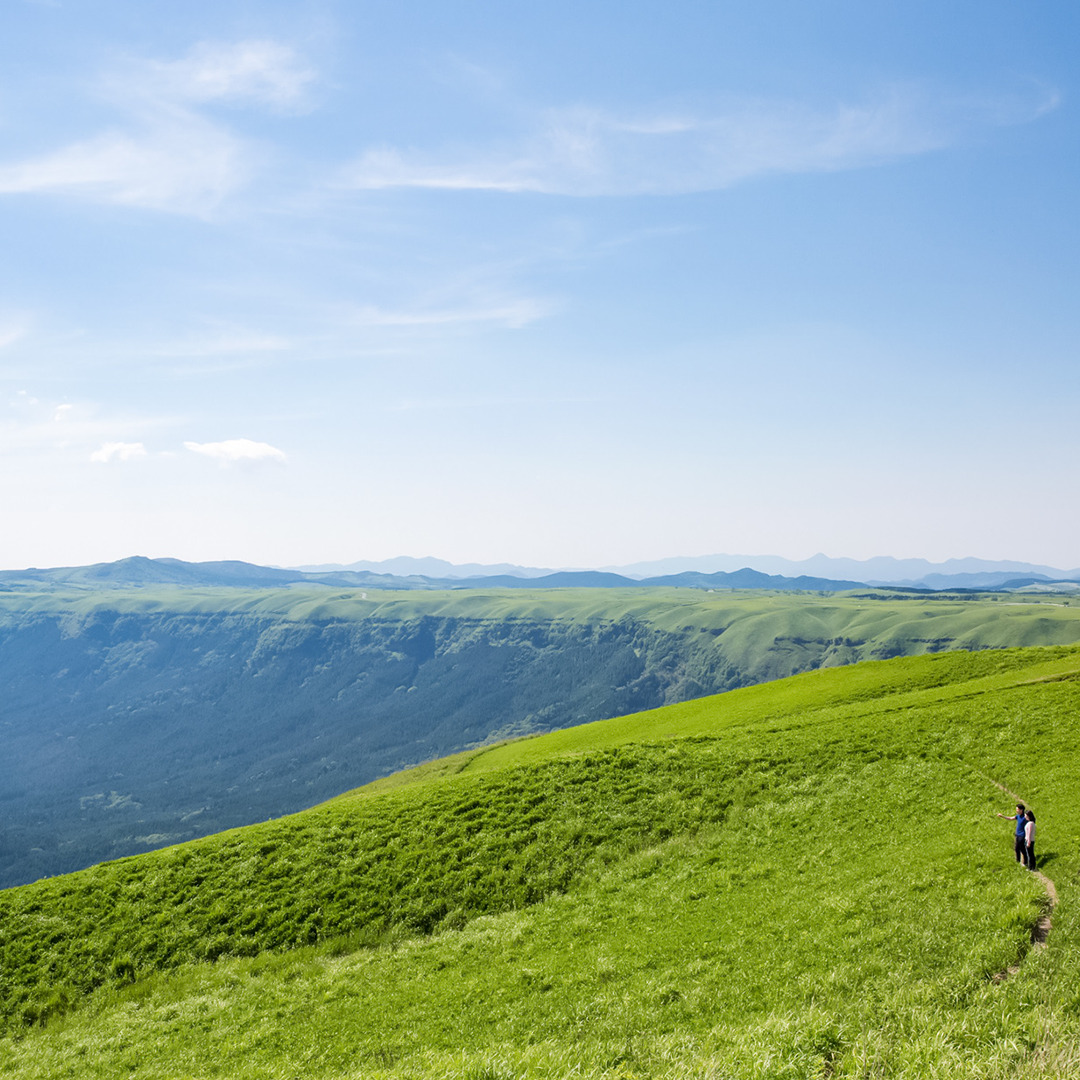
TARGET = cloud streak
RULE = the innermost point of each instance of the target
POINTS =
(118, 451)
(75, 430)
(180, 163)
(590, 152)
(228, 343)
(237, 451)
(167, 155)
(259, 72)
(513, 314)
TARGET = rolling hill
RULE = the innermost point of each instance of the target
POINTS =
(804, 878)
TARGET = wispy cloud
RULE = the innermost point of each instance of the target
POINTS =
(179, 163)
(167, 154)
(237, 451)
(80, 430)
(511, 313)
(118, 451)
(227, 343)
(593, 152)
(261, 72)
(387, 168)
(463, 403)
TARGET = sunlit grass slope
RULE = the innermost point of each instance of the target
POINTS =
(793, 880)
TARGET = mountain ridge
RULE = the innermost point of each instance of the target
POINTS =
(878, 570)
(135, 571)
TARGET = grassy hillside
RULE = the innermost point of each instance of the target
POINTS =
(799, 879)
(136, 719)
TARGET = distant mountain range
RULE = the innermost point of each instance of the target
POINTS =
(703, 573)
(968, 573)
(139, 571)
(408, 566)
(883, 570)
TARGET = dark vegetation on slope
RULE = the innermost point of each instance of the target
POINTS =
(155, 729)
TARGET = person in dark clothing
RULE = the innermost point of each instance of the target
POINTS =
(1019, 842)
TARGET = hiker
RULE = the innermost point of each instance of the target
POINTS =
(1029, 838)
(1019, 843)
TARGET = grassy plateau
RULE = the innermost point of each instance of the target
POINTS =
(798, 879)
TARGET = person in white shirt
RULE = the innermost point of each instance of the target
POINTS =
(1029, 839)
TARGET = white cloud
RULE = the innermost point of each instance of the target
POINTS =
(118, 451)
(166, 155)
(229, 343)
(591, 152)
(260, 71)
(491, 403)
(511, 313)
(36, 427)
(388, 168)
(180, 163)
(233, 451)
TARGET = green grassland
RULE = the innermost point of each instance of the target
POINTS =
(868, 612)
(799, 879)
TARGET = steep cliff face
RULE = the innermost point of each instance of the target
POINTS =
(123, 732)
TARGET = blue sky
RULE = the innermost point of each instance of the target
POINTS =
(562, 285)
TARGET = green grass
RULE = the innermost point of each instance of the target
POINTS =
(793, 880)
(759, 617)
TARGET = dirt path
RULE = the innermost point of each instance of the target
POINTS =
(1042, 927)
(1041, 931)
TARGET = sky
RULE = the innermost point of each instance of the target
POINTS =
(563, 284)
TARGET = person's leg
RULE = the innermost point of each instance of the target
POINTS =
(1030, 856)
(1021, 850)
